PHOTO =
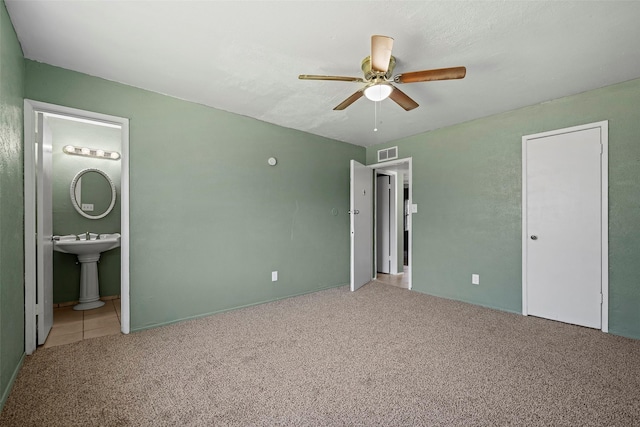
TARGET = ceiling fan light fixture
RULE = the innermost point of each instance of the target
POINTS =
(378, 92)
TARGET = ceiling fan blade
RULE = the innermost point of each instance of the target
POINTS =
(431, 75)
(381, 53)
(350, 100)
(333, 78)
(402, 99)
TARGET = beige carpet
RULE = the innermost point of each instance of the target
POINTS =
(380, 356)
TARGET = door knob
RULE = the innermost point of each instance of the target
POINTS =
(534, 237)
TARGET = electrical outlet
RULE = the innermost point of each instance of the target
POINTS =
(475, 279)
(274, 276)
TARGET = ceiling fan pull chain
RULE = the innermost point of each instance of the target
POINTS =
(375, 116)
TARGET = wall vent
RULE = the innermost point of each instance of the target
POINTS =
(388, 154)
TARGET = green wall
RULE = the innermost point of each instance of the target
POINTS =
(467, 182)
(11, 206)
(66, 220)
(209, 218)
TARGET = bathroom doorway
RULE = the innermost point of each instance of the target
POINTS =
(85, 133)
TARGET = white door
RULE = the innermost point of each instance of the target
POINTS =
(44, 227)
(563, 249)
(383, 224)
(361, 213)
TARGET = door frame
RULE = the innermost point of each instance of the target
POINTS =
(30, 244)
(604, 212)
(383, 166)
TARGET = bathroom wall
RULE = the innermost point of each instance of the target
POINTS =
(467, 182)
(12, 77)
(209, 218)
(66, 220)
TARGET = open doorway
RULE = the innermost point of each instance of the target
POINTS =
(362, 214)
(45, 126)
(392, 223)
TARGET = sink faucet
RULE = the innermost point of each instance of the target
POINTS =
(88, 236)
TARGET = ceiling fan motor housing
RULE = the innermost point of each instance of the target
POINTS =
(370, 74)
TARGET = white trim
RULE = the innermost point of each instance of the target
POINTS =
(30, 277)
(386, 165)
(382, 165)
(525, 305)
(604, 205)
(125, 302)
(30, 107)
(604, 217)
(83, 120)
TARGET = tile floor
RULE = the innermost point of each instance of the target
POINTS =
(71, 326)
(399, 280)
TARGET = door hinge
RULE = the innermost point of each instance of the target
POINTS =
(39, 310)
(601, 149)
(601, 299)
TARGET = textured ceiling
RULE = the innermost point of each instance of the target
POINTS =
(245, 57)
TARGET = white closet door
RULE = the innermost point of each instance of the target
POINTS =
(563, 227)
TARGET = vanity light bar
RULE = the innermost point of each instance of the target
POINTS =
(91, 152)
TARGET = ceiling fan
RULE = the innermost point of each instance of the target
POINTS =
(378, 68)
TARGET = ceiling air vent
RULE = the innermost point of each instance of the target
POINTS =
(388, 154)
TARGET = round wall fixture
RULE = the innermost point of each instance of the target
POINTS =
(272, 161)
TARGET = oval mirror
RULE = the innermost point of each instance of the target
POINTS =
(93, 193)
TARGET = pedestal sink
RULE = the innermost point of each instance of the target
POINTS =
(88, 248)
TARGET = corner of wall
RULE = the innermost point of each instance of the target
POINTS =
(12, 86)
